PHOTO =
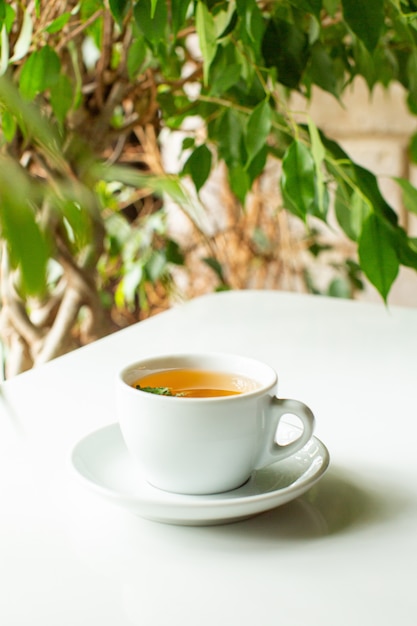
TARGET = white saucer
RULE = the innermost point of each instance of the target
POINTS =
(103, 463)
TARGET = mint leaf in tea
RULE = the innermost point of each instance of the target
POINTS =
(159, 391)
(193, 383)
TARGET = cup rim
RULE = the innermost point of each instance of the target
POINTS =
(268, 382)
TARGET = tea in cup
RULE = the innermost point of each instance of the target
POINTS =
(202, 423)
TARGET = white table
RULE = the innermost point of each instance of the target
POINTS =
(344, 553)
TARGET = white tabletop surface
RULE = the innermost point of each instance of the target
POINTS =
(344, 553)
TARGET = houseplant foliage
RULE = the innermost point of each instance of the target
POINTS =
(86, 89)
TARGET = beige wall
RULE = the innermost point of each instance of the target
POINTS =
(375, 131)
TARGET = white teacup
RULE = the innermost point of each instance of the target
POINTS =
(203, 445)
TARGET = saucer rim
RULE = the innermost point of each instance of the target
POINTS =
(211, 506)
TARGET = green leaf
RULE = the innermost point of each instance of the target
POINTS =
(364, 62)
(258, 129)
(309, 6)
(297, 180)
(285, 47)
(319, 153)
(62, 95)
(413, 148)
(252, 22)
(206, 31)
(257, 165)
(8, 125)
(378, 258)
(409, 194)
(2, 12)
(321, 69)
(136, 56)
(368, 185)
(26, 243)
(239, 182)
(228, 132)
(40, 71)
(214, 264)
(223, 17)
(366, 20)
(156, 266)
(173, 253)
(405, 248)
(77, 221)
(221, 81)
(128, 287)
(352, 210)
(58, 24)
(339, 288)
(119, 9)
(179, 9)
(31, 120)
(331, 6)
(230, 25)
(9, 18)
(198, 166)
(152, 21)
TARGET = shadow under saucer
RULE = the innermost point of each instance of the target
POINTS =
(338, 503)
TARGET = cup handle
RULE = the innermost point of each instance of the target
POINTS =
(273, 451)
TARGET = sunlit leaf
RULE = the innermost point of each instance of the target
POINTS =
(318, 152)
(24, 40)
(129, 285)
(156, 266)
(58, 24)
(352, 209)
(8, 125)
(409, 194)
(223, 18)
(206, 31)
(4, 52)
(297, 180)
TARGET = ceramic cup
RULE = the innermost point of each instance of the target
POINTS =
(210, 444)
